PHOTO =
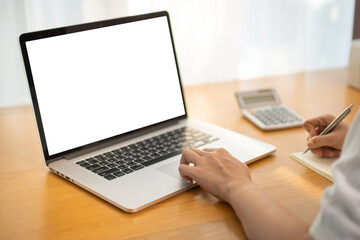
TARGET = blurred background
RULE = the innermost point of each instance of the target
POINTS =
(215, 40)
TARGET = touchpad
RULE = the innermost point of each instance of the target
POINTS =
(171, 169)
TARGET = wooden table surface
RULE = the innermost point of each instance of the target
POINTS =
(36, 204)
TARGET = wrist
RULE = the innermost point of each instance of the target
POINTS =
(236, 190)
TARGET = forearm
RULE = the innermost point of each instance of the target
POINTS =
(262, 218)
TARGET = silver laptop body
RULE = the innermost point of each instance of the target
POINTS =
(110, 111)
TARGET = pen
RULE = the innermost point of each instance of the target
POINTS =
(334, 123)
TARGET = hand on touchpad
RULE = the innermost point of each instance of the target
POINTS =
(171, 169)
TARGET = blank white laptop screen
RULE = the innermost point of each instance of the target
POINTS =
(100, 83)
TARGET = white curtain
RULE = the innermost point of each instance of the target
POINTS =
(215, 40)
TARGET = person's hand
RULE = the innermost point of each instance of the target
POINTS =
(328, 145)
(225, 177)
(215, 170)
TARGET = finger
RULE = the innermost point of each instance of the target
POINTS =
(322, 141)
(317, 151)
(326, 152)
(314, 132)
(189, 156)
(187, 172)
(210, 149)
(331, 153)
(198, 151)
(311, 124)
(220, 152)
(318, 122)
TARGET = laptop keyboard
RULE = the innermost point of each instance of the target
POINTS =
(128, 159)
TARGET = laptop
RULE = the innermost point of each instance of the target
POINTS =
(110, 110)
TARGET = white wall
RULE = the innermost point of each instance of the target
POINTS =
(19, 16)
(12, 82)
(215, 40)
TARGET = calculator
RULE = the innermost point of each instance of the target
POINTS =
(264, 109)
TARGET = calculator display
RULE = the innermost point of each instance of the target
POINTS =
(258, 99)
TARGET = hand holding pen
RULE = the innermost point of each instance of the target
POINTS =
(327, 134)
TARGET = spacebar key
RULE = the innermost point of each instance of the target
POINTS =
(163, 157)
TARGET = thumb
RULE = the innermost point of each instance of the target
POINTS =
(187, 172)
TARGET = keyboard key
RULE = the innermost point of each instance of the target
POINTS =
(109, 171)
(112, 159)
(147, 158)
(116, 152)
(136, 167)
(92, 161)
(127, 170)
(100, 169)
(111, 165)
(85, 164)
(125, 149)
(156, 160)
(118, 174)
(109, 154)
(91, 167)
(122, 166)
(103, 163)
(139, 161)
(100, 157)
(155, 154)
(131, 163)
(109, 177)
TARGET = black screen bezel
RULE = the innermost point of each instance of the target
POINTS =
(79, 28)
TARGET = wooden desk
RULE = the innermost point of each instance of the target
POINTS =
(36, 204)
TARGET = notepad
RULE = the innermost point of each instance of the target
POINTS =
(319, 165)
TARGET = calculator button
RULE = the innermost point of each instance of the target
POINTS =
(275, 116)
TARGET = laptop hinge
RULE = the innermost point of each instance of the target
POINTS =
(114, 141)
